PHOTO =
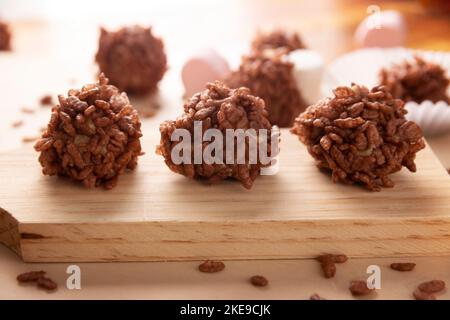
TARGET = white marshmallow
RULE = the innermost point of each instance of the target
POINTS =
(381, 29)
(205, 66)
(308, 71)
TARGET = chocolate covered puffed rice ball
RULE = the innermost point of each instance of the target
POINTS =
(362, 136)
(416, 80)
(269, 76)
(5, 37)
(93, 136)
(221, 108)
(132, 58)
(277, 39)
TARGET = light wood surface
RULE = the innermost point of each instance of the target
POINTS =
(326, 26)
(154, 214)
(288, 279)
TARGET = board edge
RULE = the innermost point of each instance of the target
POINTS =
(9, 232)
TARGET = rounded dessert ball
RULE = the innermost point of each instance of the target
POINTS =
(361, 136)
(416, 80)
(93, 136)
(132, 58)
(270, 76)
(5, 37)
(218, 107)
(277, 39)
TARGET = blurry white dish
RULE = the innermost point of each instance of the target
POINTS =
(433, 118)
(362, 67)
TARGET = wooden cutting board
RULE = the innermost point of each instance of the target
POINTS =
(154, 214)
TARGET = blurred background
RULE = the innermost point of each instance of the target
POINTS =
(325, 25)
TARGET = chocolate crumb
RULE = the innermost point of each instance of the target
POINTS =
(335, 258)
(210, 266)
(325, 258)
(329, 269)
(31, 276)
(426, 290)
(29, 139)
(403, 266)
(432, 286)
(46, 283)
(420, 295)
(259, 281)
(327, 263)
(46, 100)
(359, 288)
(27, 110)
(340, 258)
(17, 124)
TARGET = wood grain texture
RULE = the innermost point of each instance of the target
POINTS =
(9, 232)
(156, 215)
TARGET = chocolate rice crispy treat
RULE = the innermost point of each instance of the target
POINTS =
(416, 80)
(361, 136)
(271, 78)
(5, 37)
(276, 39)
(93, 136)
(221, 108)
(132, 58)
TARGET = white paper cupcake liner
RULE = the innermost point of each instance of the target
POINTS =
(363, 66)
(433, 118)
